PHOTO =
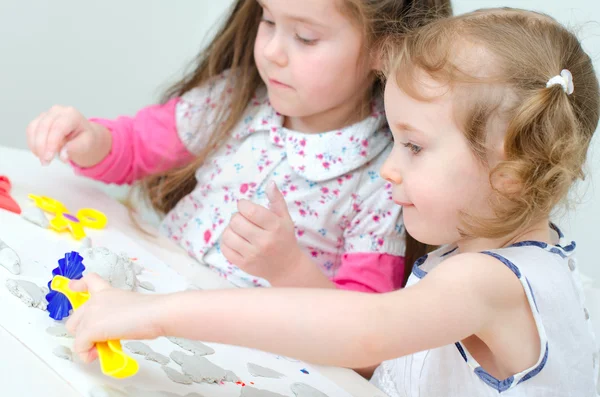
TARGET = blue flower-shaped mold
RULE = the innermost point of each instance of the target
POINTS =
(71, 267)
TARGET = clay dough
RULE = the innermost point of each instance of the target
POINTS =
(148, 286)
(177, 376)
(28, 292)
(60, 331)
(193, 287)
(304, 390)
(107, 391)
(9, 259)
(198, 348)
(36, 216)
(257, 370)
(86, 243)
(199, 369)
(63, 352)
(118, 270)
(177, 356)
(139, 348)
(230, 376)
(158, 358)
(249, 391)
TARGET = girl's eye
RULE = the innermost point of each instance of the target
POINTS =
(305, 41)
(415, 149)
(266, 21)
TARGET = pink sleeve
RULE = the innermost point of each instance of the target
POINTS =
(142, 145)
(370, 272)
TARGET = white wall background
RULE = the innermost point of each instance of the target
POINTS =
(113, 57)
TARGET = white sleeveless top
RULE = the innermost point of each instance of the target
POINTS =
(568, 360)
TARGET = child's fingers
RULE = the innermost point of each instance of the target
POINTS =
(244, 228)
(58, 132)
(83, 346)
(277, 202)
(41, 135)
(30, 133)
(92, 282)
(72, 324)
(234, 241)
(232, 256)
(258, 215)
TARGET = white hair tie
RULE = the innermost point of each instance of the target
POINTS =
(565, 80)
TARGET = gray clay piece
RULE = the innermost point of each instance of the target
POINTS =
(36, 216)
(63, 352)
(158, 358)
(60, 331)
(198, 348)
(106, 391)
(177, 376)
(86, 243)
(9, 259)
(139, 348)
(230, 376)
(249, 391)
(201, 370)
(147, 285)
(29, 293)
(259, 371)
(177, 356)
(304, 390)
(118, 270)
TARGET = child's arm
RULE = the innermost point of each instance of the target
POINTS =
(465, 295)
(142, 145)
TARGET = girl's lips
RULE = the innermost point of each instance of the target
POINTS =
(278, 83)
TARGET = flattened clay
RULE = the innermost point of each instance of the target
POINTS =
(201, 370)
(63, 352)
(177, 376)
(60, 331)
(36, 216)
(107, 391)
(249, 391)
(257, 370)
(193, 287)
(230, 376)
(28, 292)
(118, 270)
(9, 259)
(198, 348)
(139, 348)
(137, 269)
(86, 243)
(177, 356)
(304, 390)
(147, 285)
(158, 358)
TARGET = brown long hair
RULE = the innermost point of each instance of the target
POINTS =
(233, 49)
(548, 131)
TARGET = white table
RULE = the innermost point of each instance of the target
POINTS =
(21, 372)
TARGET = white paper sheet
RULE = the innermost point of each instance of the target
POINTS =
(40, 251)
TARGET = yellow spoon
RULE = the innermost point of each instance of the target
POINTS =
(113, 361)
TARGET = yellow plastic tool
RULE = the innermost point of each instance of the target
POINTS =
(113, 361)
(64, 221)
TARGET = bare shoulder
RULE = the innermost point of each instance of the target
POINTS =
(485, 276)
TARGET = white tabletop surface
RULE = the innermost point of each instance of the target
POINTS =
(22, 373)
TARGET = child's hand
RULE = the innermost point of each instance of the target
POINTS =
(110, 314)
(262, 241)
(66, 132)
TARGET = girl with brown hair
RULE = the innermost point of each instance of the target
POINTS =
(285, 95)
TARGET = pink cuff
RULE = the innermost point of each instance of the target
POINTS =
(142, 145)
(370, 272)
